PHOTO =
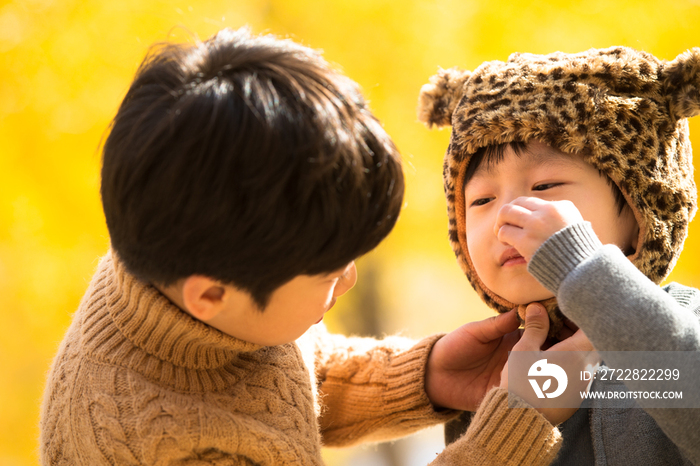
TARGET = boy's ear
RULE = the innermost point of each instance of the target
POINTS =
(203, 297)
(682, 77)
(635, 238)
(438, 99)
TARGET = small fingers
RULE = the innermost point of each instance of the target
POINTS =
(530, 203)
(509, 234)
(536, 328)
(511, 214)
(496, 326)
(506, 322)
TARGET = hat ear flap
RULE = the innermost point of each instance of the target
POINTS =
(438, 99)
(682, 76)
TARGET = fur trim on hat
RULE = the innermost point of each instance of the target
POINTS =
(439, 98)
(623, 110)
(683, 83)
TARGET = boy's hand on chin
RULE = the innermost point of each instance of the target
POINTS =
(534, 338)
(466, 363)
(527, 222)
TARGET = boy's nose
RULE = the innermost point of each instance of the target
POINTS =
(505, 200)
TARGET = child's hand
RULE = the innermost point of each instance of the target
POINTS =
(527, 222)
(466, 363)
(533, 339)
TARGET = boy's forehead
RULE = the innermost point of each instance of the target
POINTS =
(535, 155)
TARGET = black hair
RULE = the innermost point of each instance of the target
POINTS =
(246, 159)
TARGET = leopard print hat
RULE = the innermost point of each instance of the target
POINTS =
(624, 110)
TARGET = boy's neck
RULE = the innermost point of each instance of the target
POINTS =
(174, 294)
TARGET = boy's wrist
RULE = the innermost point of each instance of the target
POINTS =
(497, 414)
(562, 253)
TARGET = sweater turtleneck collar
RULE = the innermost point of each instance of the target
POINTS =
(120, 309)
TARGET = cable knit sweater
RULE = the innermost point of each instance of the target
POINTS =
(138, 381)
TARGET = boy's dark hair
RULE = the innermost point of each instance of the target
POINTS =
(246, 159)
(492, 154)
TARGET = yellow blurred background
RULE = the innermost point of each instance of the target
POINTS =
(65, 65)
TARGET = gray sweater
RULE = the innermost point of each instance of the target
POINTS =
(620, 309)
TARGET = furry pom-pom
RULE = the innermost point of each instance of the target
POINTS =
(683, 84)
(438, 99)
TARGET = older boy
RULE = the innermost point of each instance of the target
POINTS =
(569, 182)
(241, 178)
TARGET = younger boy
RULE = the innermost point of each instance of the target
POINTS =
(569, 182)
(241, 178)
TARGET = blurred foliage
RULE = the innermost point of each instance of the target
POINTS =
(66, 65)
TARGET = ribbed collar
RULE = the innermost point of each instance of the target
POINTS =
(123, 313)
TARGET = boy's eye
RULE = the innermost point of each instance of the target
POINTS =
(482, 201)
(545, 186)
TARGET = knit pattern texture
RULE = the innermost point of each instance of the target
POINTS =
(505, 431)
(138, 381)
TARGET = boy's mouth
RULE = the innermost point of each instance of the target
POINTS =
(511, 257)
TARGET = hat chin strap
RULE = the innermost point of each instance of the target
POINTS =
(556, 318)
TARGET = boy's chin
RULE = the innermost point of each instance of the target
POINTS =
(530, 297)
(521, 290)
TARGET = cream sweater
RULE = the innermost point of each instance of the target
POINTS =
(137, 381)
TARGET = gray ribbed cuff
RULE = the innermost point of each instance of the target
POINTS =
(561, 253)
